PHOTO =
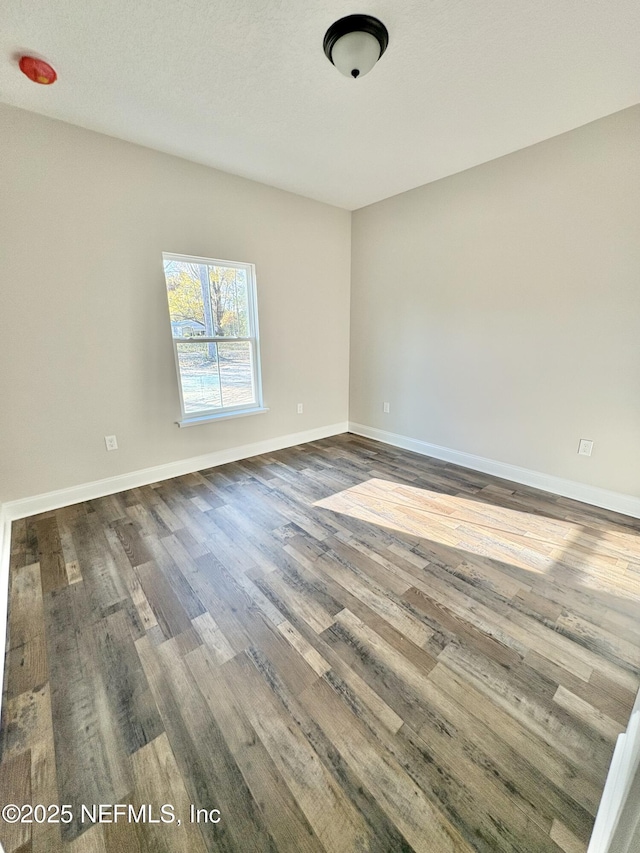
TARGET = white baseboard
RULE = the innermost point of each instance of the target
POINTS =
(25, 507)
(625, 504)
(617, 815)
(5, 557)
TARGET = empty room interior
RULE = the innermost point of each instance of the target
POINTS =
(320, 427)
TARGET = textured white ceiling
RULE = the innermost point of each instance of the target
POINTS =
(243, 85)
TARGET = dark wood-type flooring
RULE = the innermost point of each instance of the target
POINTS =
(341, 647)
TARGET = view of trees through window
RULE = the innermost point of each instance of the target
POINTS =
(213, 334)
(213, 296)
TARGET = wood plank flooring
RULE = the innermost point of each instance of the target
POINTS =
(340, 647)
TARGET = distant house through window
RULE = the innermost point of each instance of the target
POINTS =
(214, 325)
(187, 328)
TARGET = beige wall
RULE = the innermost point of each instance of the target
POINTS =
(498, 310)
(85, 345)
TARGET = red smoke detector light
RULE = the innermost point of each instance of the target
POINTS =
(38, 70)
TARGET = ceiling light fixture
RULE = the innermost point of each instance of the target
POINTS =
(354, 44)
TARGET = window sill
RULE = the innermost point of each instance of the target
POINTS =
(220, 416)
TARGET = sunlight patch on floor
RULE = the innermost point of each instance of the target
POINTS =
(518, 538)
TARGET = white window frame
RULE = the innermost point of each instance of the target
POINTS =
(223, 412)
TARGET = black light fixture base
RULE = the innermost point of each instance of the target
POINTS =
(355, 24)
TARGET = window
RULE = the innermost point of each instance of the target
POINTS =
(214, 325)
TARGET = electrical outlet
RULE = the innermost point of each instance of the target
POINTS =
(111, 442)
(585, 447)
(385, 408)
(300, 408)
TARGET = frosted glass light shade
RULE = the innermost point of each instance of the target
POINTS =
(355, 54)
(355, 43)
